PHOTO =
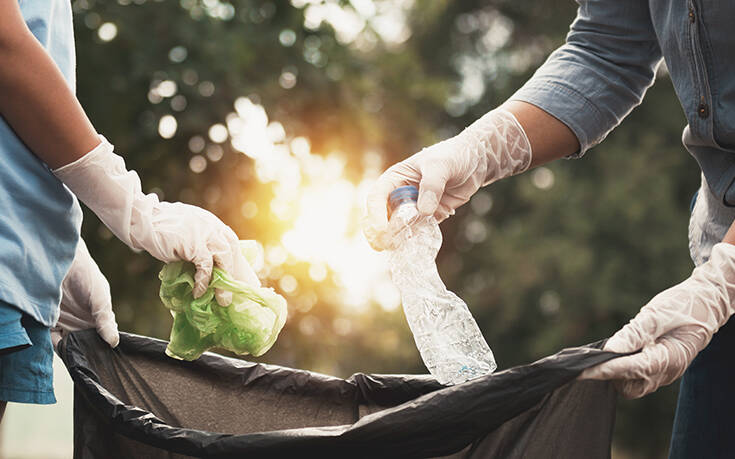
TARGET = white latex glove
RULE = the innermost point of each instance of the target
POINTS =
(168, 231)
(672, 328)
(448, 173)
(85, 300)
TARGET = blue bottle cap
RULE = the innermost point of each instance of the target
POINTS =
(402, 194)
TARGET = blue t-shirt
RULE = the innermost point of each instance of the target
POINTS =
(41, 218)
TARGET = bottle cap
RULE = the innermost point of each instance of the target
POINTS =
(402, 195)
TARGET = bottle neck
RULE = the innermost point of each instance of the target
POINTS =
(401, 196)
(405, 210)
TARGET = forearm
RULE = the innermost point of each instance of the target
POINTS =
(550, 139)
(730, 235)
(36, 101)
(593, 81)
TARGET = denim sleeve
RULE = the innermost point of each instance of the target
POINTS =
(594, 80)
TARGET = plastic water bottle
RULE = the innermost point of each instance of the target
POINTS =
(446, 334)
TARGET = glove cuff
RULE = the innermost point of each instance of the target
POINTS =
(500, 140)
(718, 275)
(101, 180)
(102, 149)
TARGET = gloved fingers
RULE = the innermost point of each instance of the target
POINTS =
(100, 318)
(375, 221)
(223, 297)
(451, 201)
(203, 264)
(667, 361)
(86, 301)
(670, 310)
(108, 332)
(223, 258)
(626, 367)
(641, 330)
(227, 255)
(443, 212)
(104, 322)
(431, 187)
(636, 388)
(654, 360)
(640, 374)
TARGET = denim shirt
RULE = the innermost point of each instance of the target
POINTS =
(609, 61)
(41, 218)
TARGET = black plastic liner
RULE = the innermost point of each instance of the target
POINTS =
(135, 402)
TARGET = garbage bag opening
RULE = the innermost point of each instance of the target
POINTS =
(133, 401)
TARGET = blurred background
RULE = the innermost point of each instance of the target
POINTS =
(277, 115)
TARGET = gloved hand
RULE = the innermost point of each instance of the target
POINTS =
(85, 300)
(450, 172)
(672, 328)
(168, 231)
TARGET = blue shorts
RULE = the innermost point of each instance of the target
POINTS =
(26, 358)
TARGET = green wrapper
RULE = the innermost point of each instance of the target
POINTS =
(250, 325)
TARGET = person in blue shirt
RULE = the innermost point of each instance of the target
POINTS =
(51, 157)
(582, 92)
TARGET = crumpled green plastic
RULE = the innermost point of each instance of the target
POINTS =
(250, 325)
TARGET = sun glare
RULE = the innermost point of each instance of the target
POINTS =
(320, 209)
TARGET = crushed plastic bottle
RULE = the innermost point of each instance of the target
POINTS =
(447, 336)
(250, 325)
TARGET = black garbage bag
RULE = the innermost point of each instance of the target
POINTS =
(135, 402)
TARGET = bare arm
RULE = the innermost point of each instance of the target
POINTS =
(550, 139)
(40, 107)
(36, 100)
(730, 235)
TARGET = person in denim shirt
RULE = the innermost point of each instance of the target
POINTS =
(51, 157)
(582, 92)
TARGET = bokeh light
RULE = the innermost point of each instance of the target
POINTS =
(107, 31)
(167, 126)
(318, 207)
